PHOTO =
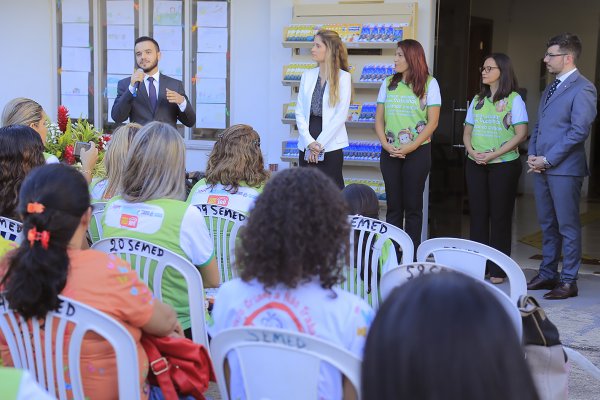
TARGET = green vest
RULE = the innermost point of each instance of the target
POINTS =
(493, 126)
(405, 114)
(10, 382)
(167, 217)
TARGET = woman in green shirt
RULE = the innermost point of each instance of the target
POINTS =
(496, 123)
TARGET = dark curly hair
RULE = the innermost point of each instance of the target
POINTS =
(35, 275)
(21, 150)
(298, 229)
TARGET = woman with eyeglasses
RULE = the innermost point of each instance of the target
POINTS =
(496, 123)
(408, 110)
(322, 107)
(235, 173)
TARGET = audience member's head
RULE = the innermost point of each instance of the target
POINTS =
(444, 336)
(22, 111)
(361, 200)
(298, 230)
(236, 158)
(21, 150)
(116, 156)
(54, 201)
(155, 167)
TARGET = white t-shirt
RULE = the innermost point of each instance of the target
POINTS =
(519, 112)
(242, 201)
(341, 318)
(434, 97)
(98, 189)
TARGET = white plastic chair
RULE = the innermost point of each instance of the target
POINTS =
(280, 364)
(407, 272)
(150, 260)
(223, 224)
(471, 257)
(95, 228)
(42, 346)
(11, 230)
(368, 238)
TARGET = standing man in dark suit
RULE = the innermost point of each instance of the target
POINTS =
(557, 156)
(149, 95)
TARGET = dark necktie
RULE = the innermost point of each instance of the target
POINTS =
(152, 93)
(552, 89)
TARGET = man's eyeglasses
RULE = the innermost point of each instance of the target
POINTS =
(550, 55)
(487, 69)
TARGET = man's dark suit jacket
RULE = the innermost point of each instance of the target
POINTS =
(137, 109)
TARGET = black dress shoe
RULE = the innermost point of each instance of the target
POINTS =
(564, 290)
(538, 282)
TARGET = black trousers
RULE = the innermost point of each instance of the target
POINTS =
(404, 180)
(492, 191)
(333, 162)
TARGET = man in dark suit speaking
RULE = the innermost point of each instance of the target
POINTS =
(149, 95)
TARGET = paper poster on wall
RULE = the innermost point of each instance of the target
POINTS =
(211, 65)
(74, 83)
(75, 35)
(74, 11)
(167, 12)
(168, 37)
(77, 105)
(111, 84)
(212, 13)
(120, 12)
(212, 40)
(120, 62)
(120, 37)
(109, 109)
(210, 116)
(211, 90)
(171, 63)
(76, 59)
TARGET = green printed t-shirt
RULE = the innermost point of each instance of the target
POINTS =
(172, 224)
(494, 124)
(405, 115)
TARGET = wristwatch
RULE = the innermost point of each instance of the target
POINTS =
(546, 163)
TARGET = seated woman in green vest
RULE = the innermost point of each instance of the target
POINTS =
(21, 150)
(24, 111)
(151, 207)
(235, 172)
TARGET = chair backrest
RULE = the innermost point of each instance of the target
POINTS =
(95, 228)
(150, 262)
(42, 346)
(407, 272)
(280, 364)
(472, 258)
(11, 230)
(223, 224)
(372, 252)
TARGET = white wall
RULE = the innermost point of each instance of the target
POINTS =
(27, 51)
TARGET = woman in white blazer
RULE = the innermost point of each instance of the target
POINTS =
(322, 107)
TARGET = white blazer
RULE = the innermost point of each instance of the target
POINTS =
(334, 135)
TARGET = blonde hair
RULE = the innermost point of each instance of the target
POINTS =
(116, 156)
(155, 167)
(236, 157)
(22, 111)
(336, 58)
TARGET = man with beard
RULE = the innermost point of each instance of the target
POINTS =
(149, 95)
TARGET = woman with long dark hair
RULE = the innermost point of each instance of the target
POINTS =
(408, 110)
(55, 204)
(288, 258)
(496, 123)
(444, 336)
(21, 150)
(322, 107)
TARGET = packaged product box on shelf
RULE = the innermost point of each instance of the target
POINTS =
(354, 112)
(290, 111)
(367, 112)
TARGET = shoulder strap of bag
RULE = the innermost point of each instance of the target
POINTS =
(159, 367)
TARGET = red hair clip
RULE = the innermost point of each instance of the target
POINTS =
(33, 235)
(35, 208)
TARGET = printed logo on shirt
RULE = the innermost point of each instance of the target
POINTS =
(128, 221)
(218, 200)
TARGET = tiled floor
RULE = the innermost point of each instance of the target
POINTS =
(525, 223)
